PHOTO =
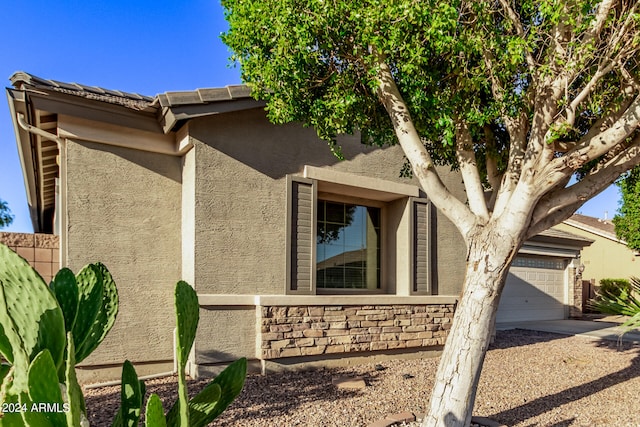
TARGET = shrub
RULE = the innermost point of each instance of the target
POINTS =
(623, 300)
(613, 286)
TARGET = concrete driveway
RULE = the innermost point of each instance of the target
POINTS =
(608, 330)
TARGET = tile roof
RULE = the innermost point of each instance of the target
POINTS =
(130, 100)
(601, 227)
(134, 101)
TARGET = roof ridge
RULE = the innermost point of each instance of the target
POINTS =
(135, 100)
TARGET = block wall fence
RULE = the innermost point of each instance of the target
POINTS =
(41, 250)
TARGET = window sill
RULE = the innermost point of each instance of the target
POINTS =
(286, 300)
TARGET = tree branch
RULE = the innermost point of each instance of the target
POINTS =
(559, 204)
(517, 24)
(469, 170)
(415, 151)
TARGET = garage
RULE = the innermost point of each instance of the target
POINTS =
(536, 289)
(539, 284)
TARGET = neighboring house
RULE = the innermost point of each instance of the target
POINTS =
(296, 257)
(608, 257)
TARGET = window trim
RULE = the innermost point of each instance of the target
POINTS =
(400, 284)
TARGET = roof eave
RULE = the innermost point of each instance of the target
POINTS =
(18, 105)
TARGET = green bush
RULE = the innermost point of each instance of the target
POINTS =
(613, 286)
(621, 300)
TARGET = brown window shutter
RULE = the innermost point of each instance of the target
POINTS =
(301, 227)
(421, 253)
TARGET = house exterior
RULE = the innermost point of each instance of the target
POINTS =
(608, 257)
(296, 257)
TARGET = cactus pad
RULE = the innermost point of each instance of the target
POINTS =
(65, 289)
(90, 291)
(30, 305)
(154, 414)
(44, 388)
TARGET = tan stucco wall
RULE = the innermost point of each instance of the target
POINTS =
(241, 165)
(124, 211)
(604, 258)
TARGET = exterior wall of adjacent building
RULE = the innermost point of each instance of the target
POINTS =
(123, 209)
(605, 258)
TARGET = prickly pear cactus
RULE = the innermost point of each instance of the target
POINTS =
(90, 292)
(132, 393)
(43, 389)
(37, 337)
(206, 405)
(76, 415)
(29, 310)
(65, 289)
(154, 414)
(104, 318)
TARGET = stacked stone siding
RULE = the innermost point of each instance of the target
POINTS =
(289, 331)
(40, 250)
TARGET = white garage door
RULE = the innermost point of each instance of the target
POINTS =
(535, 290)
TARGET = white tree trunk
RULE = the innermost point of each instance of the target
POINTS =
(454, 391)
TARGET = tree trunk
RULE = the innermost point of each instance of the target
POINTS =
(454, 391)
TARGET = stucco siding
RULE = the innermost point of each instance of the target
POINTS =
(605, 258)
(124, 211)
(241, 165)
(225, 334)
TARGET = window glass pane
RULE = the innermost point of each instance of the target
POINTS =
(348, 246)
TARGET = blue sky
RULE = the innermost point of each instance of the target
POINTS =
(135, 46)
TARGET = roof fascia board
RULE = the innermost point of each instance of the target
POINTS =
(555, 243)
(17, 104)
(71, 105)
(171, 116)
(79, 129)
(592, 230)
(563, 241)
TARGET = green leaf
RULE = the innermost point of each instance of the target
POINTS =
(231, 382)
(203, 408)
(131, 395)
(187, 316)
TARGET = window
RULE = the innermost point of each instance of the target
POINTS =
(347, 246)
(344, 239)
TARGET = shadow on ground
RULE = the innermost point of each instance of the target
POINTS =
(549, 402)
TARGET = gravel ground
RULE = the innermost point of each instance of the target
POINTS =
(529, 379)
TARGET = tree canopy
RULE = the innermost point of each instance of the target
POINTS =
(627, 221)
(500, 87)
(6, 218)
(519, 96)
